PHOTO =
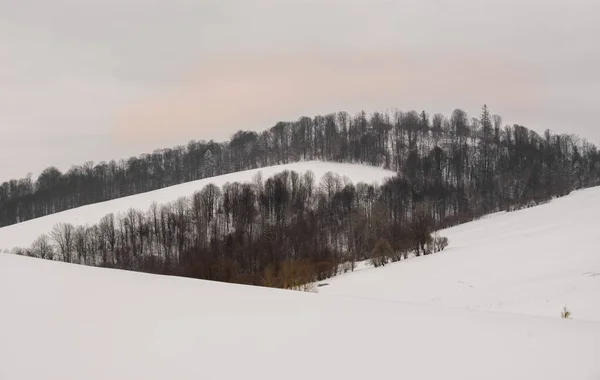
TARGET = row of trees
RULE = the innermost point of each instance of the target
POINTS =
(467, 165)
(286, 231)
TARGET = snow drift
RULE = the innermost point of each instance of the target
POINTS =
(533, 261)
(62, 321)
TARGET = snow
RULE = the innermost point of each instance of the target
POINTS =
(533, 261)
(23, 234)
(487, 307)
(62, 321)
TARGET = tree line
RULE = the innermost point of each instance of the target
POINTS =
(286, 231)
(472, 164)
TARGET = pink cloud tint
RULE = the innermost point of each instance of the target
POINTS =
(239, 91)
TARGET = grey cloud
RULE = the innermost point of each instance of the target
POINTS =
(70, 67)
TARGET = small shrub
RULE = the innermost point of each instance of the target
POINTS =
(396, 256)
(19, 251)
(308, 287)
(565, 314)
(381, 253)
(269, 276)
(439, 243)
(346, 267)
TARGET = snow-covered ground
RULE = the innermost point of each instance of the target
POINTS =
(534, 261)
(66, 322)
(488, 307)
(23, 234)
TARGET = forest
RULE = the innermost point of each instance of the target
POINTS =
(288, 229)
(464, 155)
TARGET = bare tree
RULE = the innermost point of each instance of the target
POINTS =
(81, 244)
(42, 248)
(109, 237)
(422, 226)
(63, 236)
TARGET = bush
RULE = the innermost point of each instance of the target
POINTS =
(346, 267)
(439, 243)
(565, 314)
(381, 253)
(269, 279)
(308, 287)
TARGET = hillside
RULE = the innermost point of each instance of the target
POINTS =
(23, 234)
(61, 321)
(473, 165)
(533, 261)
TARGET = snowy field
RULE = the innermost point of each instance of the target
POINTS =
(534, 261)
(66, 322)
(23, 234)
(488, 307)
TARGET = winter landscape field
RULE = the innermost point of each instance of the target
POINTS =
(532, 262)
(299, 190)
(487, 307)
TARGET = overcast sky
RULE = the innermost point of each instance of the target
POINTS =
(97, 80)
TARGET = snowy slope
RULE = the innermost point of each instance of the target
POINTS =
(23, 234)
(533, 261)
(66, 322)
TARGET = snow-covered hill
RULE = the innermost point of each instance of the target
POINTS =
(534, 261)
(23, 234)
(61, 321)
(488, 307)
